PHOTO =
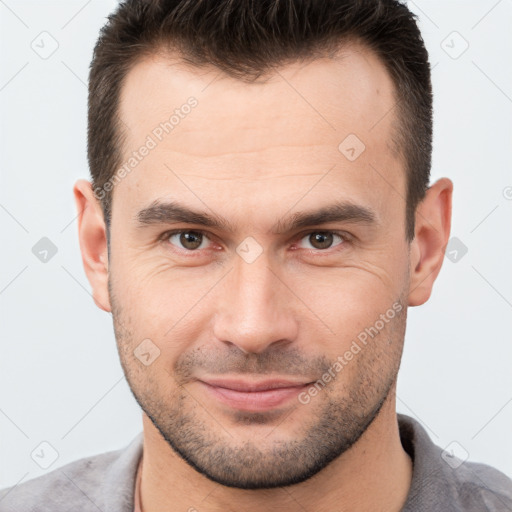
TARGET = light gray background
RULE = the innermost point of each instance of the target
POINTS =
(60, 378)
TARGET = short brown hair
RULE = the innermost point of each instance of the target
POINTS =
(246, 39)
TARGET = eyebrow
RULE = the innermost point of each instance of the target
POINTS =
(171, 212)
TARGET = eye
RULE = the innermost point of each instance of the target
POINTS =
(193, 240)
(188, 240)
(321, 240)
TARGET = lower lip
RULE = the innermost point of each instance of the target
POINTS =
(254, 400)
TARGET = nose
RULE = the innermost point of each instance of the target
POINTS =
(254, 308)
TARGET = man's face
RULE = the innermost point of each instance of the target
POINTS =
(255, 296)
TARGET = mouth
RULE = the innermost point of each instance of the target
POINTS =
(253, 396)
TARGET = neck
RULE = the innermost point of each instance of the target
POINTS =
(374, 474)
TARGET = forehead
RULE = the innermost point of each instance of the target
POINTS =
(289, 125)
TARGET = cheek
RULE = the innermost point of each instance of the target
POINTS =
(167, 306)
(155, 293)
(173, 305)
(351, 298)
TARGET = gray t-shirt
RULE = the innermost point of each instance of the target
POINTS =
(106, 482)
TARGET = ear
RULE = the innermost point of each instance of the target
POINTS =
(93, 242)
(432, 231)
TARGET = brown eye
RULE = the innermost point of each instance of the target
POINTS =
(321, 240)
(189, 240)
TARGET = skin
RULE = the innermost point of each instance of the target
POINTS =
(254, 154)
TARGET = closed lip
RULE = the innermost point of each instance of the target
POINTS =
(252, 386)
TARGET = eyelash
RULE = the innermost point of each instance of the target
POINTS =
(346, 238)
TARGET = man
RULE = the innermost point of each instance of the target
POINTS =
(259, 220)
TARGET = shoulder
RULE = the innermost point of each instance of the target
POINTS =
(87, 484)
(480, 485)
(58, 488)
(442, 481)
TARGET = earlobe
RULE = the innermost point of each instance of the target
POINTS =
(432, 231)
(93, 242)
